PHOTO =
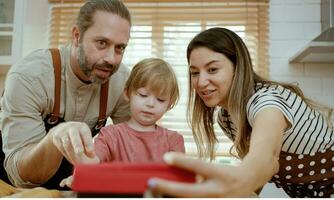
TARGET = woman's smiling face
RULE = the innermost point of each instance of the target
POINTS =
(211, 75)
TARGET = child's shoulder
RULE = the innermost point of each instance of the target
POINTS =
(170, 132)
(114, 128)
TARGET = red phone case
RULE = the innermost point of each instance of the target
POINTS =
(123, 178)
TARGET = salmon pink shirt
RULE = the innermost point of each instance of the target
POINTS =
(122, 143)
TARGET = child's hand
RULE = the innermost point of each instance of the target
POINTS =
(83, 159)
(66, 182)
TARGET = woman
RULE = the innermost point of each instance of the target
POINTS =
(277, 132)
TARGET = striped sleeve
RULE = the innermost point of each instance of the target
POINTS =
(309, 131)
(274, 96)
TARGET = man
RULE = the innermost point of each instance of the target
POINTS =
(36, 156)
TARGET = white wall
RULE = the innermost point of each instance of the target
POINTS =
(294, 23)
(34, 33)
(35, 26)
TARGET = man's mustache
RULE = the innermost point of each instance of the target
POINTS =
(105, 65)
(113, 68)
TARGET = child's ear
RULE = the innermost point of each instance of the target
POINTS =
(126, 95)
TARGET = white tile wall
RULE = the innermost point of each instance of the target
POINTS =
(294, 23)
(327, 85)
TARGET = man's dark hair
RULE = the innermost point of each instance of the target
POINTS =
(87, 11)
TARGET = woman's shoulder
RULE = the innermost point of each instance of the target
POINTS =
(271, 92)
(277, 96)
(269, 88)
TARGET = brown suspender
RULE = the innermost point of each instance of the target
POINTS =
(103, 102)
(57, 71)
(56, 107)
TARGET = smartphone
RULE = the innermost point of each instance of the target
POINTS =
(118, 179)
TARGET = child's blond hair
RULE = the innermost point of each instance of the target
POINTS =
(158, 76)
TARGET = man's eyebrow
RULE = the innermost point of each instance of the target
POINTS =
(122, 45)
(109, 41)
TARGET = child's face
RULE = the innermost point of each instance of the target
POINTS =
(146, 107)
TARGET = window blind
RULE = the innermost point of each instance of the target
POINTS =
(164, 28)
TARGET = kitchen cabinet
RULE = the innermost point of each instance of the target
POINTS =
(11, 17)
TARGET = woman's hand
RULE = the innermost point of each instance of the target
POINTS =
(217, 180)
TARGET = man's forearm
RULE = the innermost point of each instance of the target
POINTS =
(43, 156)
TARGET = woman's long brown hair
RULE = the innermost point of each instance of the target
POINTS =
(201, 118)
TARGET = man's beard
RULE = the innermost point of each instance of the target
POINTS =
(83, 64)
